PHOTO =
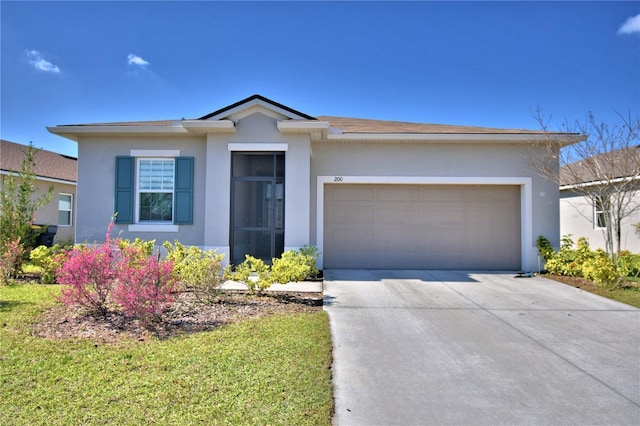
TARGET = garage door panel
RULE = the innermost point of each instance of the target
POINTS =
(347, 214)
(422, 227)
(401, 214)
(389, 193)
(397, 238)
(353, 194)
(356, 238)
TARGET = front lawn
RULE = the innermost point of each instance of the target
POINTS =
(272, 370)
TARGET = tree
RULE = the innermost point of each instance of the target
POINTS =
(18, 206)
(603, 166)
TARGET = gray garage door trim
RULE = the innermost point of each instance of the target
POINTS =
(527, 254)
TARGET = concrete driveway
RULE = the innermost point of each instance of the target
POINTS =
(461, 348)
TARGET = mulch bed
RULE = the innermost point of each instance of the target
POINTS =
(577, 282)
(185, 315)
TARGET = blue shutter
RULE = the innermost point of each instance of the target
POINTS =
(124, 189)
(183, 214)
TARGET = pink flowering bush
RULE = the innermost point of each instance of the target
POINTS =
(10, 259)
(144, 287)
(116, 275)
(88, 276)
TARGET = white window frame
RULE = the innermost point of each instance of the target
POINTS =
(139, 191)
(64, 210)
(150, 226)
(596, 213)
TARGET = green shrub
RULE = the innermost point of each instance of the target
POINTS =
(295, 265)
(199, 271)
(292, 266)
(563, 261)
(145, 247)
(311, 254)
(602, 270)
(254, 273)
(49, 259)
(596, 266)
(545, 249)
(631, 262)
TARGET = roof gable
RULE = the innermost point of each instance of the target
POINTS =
(253, 104)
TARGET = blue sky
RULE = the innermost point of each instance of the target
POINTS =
(468, 63)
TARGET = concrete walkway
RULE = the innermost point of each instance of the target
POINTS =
(459, 348)
(297, 287)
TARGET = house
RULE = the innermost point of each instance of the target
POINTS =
(50, 169)
(580, 216)
(258, 177)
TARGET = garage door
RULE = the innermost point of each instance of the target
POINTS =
(422, 227)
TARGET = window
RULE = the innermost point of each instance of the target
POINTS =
(155, 189)
(65, 209)
(599, 219)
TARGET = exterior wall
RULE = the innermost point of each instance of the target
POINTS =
(577, 219)
(48, 214)
(438, 162)
(96, 186)
(307, 164)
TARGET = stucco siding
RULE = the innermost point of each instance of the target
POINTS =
(577, 219)
(96, 180)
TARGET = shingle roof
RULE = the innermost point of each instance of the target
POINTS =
(361, 125)
(602, 167)
(47, 164)
(127, 123)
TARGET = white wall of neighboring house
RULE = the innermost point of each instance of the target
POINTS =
(577, 217)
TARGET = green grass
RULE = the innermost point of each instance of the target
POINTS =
(265, 371)
(628, 295)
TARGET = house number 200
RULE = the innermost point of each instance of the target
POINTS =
(338, 179)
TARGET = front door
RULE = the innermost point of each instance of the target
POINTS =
(257, 205)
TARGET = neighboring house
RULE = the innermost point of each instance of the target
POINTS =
(50, 169)
(581, 217)
(258, 177)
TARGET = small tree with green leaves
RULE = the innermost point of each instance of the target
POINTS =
(18, 206)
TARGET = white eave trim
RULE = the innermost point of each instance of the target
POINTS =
(240, 146)
(209, 126)
(599, 182)
(453, 137)
(72, 132)
(289, 126)
(42, 178)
